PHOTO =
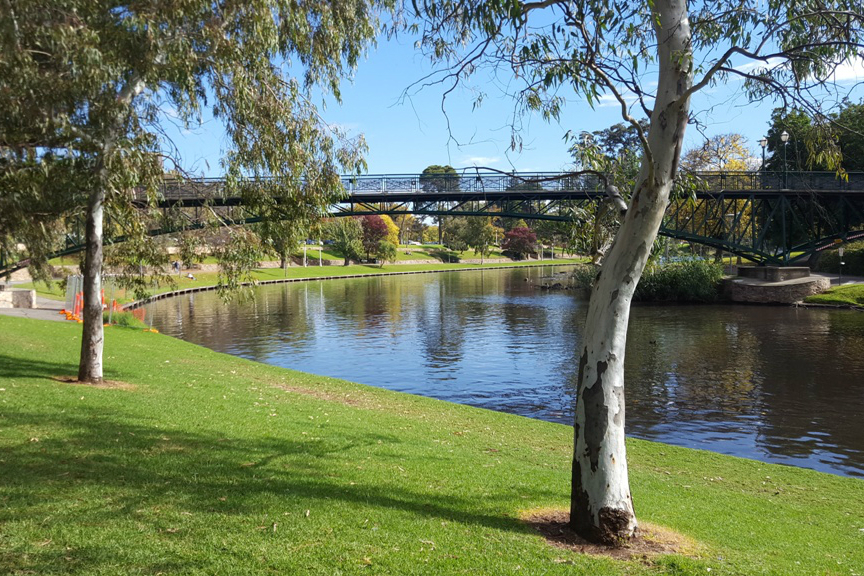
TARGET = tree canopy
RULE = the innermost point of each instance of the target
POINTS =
(85, 86)
(436, 178)
(346, 235)
(723, 152)
(817, 140)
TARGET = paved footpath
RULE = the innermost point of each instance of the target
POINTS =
(46, 310)
(837, 280)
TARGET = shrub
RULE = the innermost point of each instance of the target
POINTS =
(386, 252)
(124, 319)
(583, 275)
(853, 260)
(689, 281)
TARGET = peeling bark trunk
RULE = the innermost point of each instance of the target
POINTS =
(93, 332)
(601, 508)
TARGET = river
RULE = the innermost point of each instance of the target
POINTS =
(776, 384)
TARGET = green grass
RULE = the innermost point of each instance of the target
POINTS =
(432, 253)
(414, 253)
(849, 295)
(208, 464)
(54, 292)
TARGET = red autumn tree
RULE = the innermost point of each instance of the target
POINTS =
(520, 242)
(374, 231)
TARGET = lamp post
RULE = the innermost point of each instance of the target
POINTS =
(763, 143)
(784, 136)
(840, 253)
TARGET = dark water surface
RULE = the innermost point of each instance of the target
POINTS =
(776, 384)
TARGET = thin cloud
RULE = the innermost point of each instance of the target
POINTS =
(608, 100)
(756, 65)
(852, 70)
(481, 160)
(170, 110)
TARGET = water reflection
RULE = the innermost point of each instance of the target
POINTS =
(776, 384)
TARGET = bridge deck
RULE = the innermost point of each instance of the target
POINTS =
(542, 186)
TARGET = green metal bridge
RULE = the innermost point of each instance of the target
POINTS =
(777, 218)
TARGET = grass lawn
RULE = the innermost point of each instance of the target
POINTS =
(201, 463)
(849, 295)
(432, 253)
(413, 253)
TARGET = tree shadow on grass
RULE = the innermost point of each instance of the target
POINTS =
(12, 367)
(138, 466)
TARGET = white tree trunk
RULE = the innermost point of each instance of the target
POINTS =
(93, 332)
(601, 506)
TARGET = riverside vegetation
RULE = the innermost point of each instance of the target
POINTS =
(687, 281)
(853, 260)
(191, 462)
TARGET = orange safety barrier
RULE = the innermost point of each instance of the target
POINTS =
(77, 308)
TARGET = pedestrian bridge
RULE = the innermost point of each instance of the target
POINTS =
(776, 218)
(767, 217)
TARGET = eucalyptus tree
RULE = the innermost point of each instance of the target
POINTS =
(651, 57)
(850, 119)
(790, 155)
(437, 178)
(91, 83)
(480, 235)
(346, 235)
(811, 134)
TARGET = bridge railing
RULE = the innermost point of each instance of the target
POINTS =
(469, 183)
(552, 182)
(776, 181)
(523, 182)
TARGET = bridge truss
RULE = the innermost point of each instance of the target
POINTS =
(767, 217)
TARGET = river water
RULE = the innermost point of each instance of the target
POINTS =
(777, 384)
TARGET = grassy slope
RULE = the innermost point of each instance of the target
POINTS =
(207, 466)
(850, 295)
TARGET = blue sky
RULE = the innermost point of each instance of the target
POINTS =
(406, 134)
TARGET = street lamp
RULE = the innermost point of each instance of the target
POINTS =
(840, 253)
(785, 138)
(763, 143)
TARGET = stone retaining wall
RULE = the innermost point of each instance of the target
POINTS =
(774, 273)
(17, 298)
(787, 292)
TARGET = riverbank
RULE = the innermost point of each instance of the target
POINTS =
(193, 462)
(347, 272)
(201, 280)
